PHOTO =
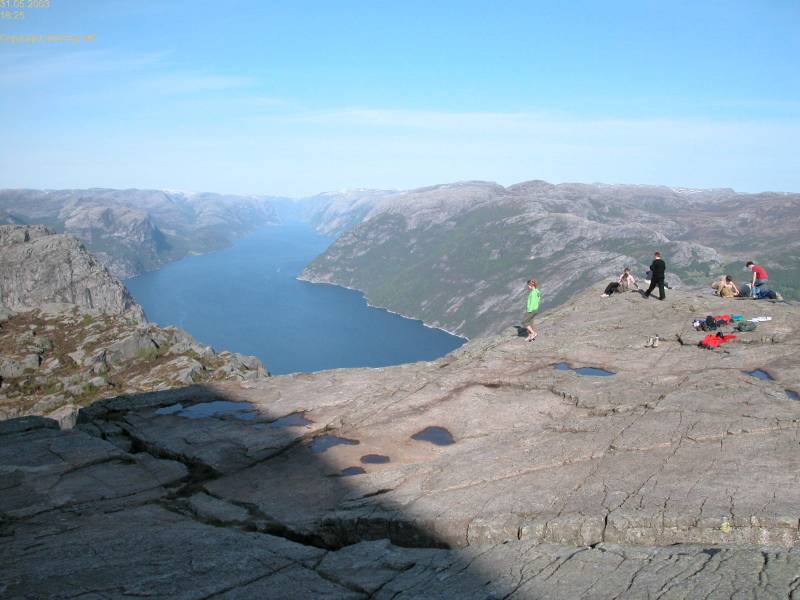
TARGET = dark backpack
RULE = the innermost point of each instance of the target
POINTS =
(710, 324)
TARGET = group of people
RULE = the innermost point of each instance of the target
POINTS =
(627, 282)
(724, 287)
(757, 288)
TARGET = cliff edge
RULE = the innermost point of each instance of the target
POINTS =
(583, 464)
(71, 333)
(40, 267)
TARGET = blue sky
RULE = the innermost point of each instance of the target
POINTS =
(293, 98)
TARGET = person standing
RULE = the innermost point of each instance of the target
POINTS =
(532, 308)
(657, 270)
(760, 276)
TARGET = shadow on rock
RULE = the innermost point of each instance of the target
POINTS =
(189, 493)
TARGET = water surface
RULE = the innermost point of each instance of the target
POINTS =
(586, 371)
(247, 299)
(759, 374)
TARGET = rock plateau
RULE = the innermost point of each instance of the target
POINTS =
(503, 470)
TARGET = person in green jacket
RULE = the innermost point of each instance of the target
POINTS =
(533, 308)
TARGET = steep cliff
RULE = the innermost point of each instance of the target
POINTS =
(39, 267)
(70, 333)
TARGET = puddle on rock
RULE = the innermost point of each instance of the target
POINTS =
(374, 459)
(435, 435)
(352, 471)
(792, 395)
(586, 371)
(215, 408)
(170, 410)
(759, 374)
(323, 442)
(295, 419)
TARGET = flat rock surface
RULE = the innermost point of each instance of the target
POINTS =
(675, 477)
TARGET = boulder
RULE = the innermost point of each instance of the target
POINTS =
(132, 347)
(10, 368)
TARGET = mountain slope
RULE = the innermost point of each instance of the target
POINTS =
(70, 333)
(457, 255)
(39, 267)
(132, 231)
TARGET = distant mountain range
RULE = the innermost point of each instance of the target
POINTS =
(454, 255)
(457, 255)
(132, 231)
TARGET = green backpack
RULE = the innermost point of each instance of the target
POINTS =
(745, 326)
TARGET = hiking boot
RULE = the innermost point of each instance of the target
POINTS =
(778, 297)
(649, 343)
(655, 342)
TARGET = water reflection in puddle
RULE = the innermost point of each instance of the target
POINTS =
(170, 410)
(216, 408)
(792, 395)
(352, 471)
(295, 419)
(374, 459)
(435, 435)
(323, 442)
(587, 371)
(759, 374)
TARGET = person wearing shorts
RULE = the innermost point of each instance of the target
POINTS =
(532, 309)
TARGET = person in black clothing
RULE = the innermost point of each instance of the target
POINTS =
(657, 270)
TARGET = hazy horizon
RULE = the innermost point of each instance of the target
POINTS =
(355, 188)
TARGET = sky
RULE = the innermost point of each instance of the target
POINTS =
(295, 98)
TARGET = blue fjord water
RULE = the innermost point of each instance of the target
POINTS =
(246, 299)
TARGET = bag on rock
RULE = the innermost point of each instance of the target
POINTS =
(745, 326)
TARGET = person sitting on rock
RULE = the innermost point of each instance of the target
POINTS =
(728, 288)
(625, 283)
(717, 284)
(532, 308)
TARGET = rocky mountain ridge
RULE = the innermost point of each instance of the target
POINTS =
(132, 231)
(580, 465)
(457, 255)
(38, 267)
(70, 333)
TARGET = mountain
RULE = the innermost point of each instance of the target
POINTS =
(332, 213)
(505, 470)
(457, 256)
(132, 231)
(70, 333)
(38, 267)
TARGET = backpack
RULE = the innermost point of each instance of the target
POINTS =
(746, 326)
(710, 324)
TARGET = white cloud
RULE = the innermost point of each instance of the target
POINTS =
(35, 68)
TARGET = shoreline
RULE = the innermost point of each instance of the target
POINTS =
(193, 253)
(363, 294)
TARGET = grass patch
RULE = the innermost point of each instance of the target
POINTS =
(152, 353)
